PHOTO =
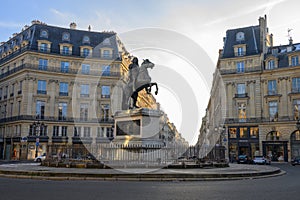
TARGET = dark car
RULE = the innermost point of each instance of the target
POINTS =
(295, 161)
(243, 159)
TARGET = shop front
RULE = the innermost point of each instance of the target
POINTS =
(276, 151)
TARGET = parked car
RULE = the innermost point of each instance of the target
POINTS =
(295, 161)
(261, 160)
(243, 159)
(40, 158)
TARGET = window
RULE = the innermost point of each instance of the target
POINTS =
(254, 133)
(84, 111)
(271, 64)
(105, 111)
(106, 54)
(85, 90)
(243, 132)
(40, 109)
(296, 136)
(87, 132)
(101, 132)
(296, 108)
(273, 111)
(12, 90)
(85, 69)
(65, 50)
(77, 131)
(20, 87)
(232, 132)
(44, 34)
(242, 112)
(43, 64)
(0, 93)
(66, 37)
(64, 66)
(274, 135)
(63, 89)
(11, 109)
(85, 52)
(19, 108)
(44, 47)
(295, 60)
(240, 51)
(296, 85)
(105, 91)
(62, 111)
(109, 132)
(240, 36)
(64, 131)
(106, 70)
(272, 87)
(5, 92)
(86, 39)
(241, 88)
(240, 67)
(55, 131)
(42, 87)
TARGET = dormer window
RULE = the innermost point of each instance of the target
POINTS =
(240, 50)
(271, 64)
(240, 36)
(66, 37)
(86, 39)
(294, 60)
(44, 34)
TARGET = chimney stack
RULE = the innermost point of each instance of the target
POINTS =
(73, 26)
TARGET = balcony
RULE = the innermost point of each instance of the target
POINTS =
(41, 92)
(64, 94)
(295, 90)
(55, 70)
(60, 139)
(243, 95)
(79, 140)
(246, 70)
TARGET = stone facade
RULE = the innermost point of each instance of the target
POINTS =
(64, 79)
(259, 110)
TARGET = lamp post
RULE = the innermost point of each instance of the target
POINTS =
(37, 127)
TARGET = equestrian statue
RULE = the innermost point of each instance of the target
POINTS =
(139, 79)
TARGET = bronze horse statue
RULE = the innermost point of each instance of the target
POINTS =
(139, 79)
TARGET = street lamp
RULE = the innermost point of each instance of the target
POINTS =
(37, 127)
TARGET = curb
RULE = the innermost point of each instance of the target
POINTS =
(136, 177)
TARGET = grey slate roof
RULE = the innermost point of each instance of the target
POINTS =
(252, 37)
(32, 34)
(282, 54)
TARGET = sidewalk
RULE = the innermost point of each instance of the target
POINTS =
(235, 171)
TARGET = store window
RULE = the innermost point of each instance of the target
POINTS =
(254, 132)
(232, 133)
(243, 132)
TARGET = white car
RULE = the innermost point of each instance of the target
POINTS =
(40, 158)
(261, 160)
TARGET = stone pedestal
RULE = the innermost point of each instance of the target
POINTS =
(138, 126)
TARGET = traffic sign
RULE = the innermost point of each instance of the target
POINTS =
(37, 139)
(37, 144)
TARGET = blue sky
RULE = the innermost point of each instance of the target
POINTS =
(203, 22)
